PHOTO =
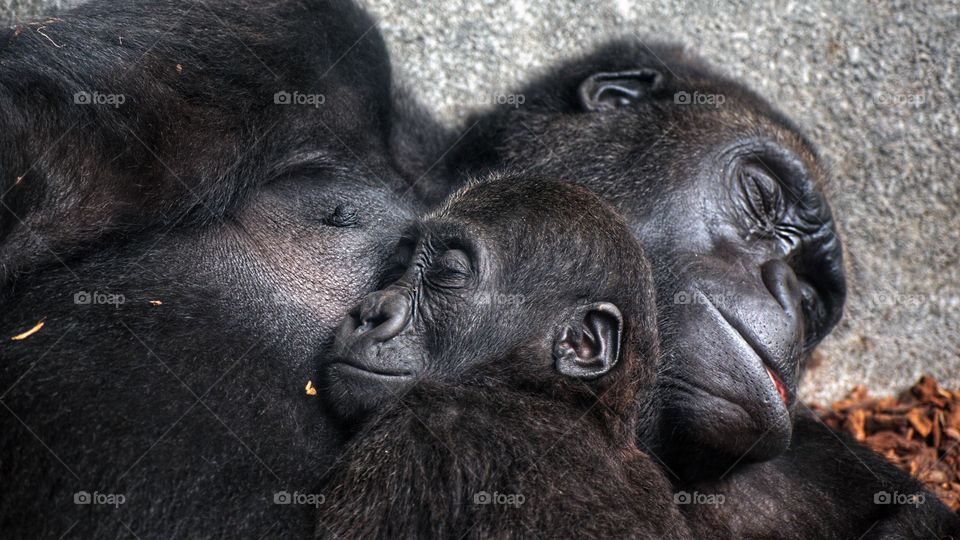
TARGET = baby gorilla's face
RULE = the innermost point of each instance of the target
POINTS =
(453, 301)
(426, 312)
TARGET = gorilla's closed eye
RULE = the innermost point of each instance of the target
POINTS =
(344, 215)
(763, 198)
(452, 269)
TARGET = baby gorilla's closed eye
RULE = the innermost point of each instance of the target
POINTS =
(452, 269)
(499, 385)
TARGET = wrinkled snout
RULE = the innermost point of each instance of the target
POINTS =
(379, 317)
(371, 336)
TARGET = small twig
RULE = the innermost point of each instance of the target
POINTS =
(40, 31)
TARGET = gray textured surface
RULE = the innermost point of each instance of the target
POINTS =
(14, 9)
(876, 84)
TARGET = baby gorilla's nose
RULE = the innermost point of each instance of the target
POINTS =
(374, 357)
(371, 337)
(381, 315)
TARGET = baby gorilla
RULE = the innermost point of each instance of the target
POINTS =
(499, 371)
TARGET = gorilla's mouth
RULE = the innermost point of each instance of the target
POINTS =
(377, 371)
(758, 350)
(781, 389)
(353, 391)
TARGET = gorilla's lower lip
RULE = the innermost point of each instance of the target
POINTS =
(352, 391)
(772, 372)
(693, 389)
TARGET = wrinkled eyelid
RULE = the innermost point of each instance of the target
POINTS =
(457, 259)
(461, 243)
(788, 171)
(762, 194)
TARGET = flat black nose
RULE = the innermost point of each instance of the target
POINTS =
(784, 286)
(380, 316)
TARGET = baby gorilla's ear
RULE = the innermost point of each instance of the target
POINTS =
(589, 347)
(606, 91)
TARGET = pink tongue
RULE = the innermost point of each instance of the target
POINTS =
(780, 388)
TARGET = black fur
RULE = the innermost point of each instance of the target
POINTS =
(424, 468)
(826, 485)
(237, 230)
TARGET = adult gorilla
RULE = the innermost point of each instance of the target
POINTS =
(725, 197)
(724, 193)
(193, 195)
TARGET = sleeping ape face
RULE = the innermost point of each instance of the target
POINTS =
(509, 269)
(724, 194)
(749, 267)
(750, 276)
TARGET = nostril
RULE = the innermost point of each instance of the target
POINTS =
(381, 315)
(371, 321)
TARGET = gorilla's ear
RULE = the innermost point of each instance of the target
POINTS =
(590, 347)
(610, 90)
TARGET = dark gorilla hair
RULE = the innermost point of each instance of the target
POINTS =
(468, 461)
(187, 142)
(174, 158)
(827, 485)
(494, 434)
